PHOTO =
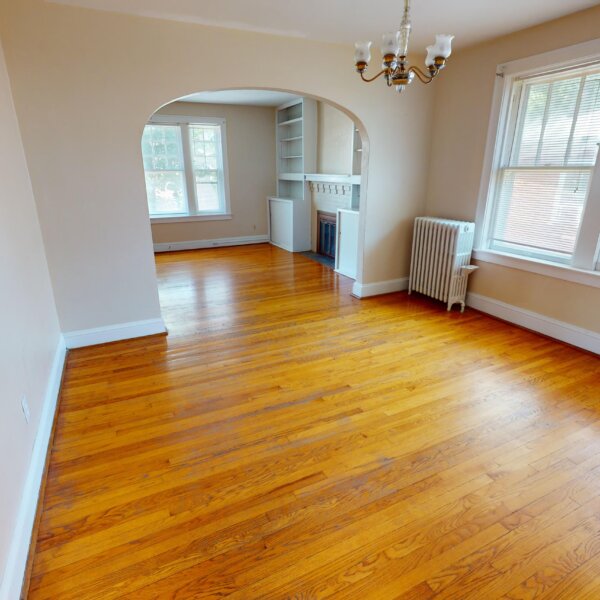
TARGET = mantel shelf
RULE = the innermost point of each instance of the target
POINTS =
(330, 178)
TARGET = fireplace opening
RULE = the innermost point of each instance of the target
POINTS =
(327, 229)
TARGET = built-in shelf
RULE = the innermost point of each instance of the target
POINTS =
(290, 122)
(289, 211)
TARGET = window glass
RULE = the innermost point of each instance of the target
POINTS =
(164, 169)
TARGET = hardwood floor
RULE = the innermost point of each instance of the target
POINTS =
(287, 440)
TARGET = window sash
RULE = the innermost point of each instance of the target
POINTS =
(217, 171)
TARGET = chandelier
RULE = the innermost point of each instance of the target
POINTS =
(394, 48)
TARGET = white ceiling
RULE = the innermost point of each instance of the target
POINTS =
(345, 21)
(246, 97)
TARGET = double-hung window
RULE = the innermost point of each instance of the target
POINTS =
(185, 165)
(539, 204)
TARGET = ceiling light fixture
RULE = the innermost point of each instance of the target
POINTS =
(394, 48)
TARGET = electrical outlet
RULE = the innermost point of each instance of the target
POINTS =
(25, 407)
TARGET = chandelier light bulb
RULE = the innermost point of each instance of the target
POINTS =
(362, 52)
(390, 43)
(443, 45)
(430, 58)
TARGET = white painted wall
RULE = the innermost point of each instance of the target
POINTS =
(85, 83)
(335, 135)
(29, 326)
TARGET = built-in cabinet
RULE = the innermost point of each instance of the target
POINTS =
(296, 139)
(289, 224)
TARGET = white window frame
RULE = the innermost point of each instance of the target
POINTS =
(586, 257)
(193, 213)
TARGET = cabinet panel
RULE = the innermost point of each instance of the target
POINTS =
(347, 243)
(281, 223)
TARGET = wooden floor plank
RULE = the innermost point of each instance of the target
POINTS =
(287, 440)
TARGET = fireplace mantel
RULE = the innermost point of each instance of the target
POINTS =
(330, 178)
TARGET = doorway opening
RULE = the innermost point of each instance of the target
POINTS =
(250, 166)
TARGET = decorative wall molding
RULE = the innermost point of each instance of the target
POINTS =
(216, 243)
(335, 189)
(364, 290)
(18, 550)
(114, 333)
(565, 332)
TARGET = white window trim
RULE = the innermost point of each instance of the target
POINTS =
(586, 256)
(195, 215)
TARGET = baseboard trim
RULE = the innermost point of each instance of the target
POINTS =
(200, 244)
(16, 563)
(364, 290)
(565, 332)
(114, 333)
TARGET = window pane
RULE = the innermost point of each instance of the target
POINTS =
(166, 192)
(161, 147)
(207, 195)
(162, 153)
(562, 102)
(541, 210)
(586, 134)
(527, 143)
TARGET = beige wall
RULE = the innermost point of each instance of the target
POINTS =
(251, 159)
(85, 82)
(334, 141)
(462, 111)
(28, 320)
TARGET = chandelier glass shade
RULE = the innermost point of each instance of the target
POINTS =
(394, 49)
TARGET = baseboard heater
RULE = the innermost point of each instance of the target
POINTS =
(441, 256)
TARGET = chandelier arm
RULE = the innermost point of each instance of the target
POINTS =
(422, 76)
(362, 76)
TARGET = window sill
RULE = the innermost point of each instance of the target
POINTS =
(185, 218)
(540, 267)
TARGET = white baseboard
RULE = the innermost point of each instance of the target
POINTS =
(114, 333)
(571, 334)
(18, 551)
(364, 290)
(198, 244)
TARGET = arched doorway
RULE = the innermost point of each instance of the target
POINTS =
(212, 147)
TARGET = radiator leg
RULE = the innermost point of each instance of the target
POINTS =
(462, 307)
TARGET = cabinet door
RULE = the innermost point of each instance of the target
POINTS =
(281, 217)
(347, 243)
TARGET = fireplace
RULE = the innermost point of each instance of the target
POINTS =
(326, 227)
